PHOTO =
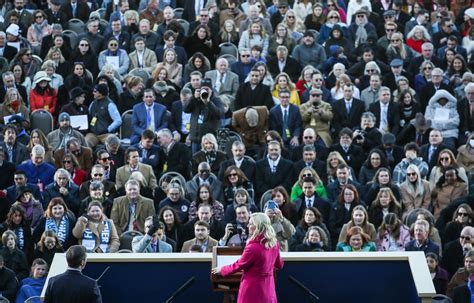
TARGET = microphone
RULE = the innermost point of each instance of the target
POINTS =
(103, 273)
(306, 289)
(180, 289)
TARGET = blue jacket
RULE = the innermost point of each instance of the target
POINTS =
(428, 246)
(139, 119)
(43, 173)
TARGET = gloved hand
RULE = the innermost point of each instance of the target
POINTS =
(152, 230)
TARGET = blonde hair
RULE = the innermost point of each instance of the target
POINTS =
(263, 226)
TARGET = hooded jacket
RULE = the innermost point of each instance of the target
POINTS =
(449, 126)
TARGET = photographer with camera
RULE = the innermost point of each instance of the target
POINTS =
(367, 136)
(236, 233)
(206, 111)
(317, 114)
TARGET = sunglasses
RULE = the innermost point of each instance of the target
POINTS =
(444, 159)
(465, 238)
(232, 175)
(395, 40)
(389, 29)
(204, 171)
(307, 175)
(38, 17)
(316, 95)
(67, 161)
(28, 54)
(291, 17)
(113, 44)
(105, 159)
(98, 175)
(371, 70)
(334, 17)
(331, 5)
(463, 214)
(245, 56)
(84, 44)
(360, 16)
(411, 174)
(308, 137)
(428, 68)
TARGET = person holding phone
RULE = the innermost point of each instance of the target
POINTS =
(283, 228)
(258, 262)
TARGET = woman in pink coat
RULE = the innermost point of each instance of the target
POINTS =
(260, 258)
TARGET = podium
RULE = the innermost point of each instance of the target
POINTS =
(229, 285)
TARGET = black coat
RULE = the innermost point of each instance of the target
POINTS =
(292, 68)
(72, 286)
(266, 180)
(16, 261)
(177, 160)
(247, 166)
(8, 283)
(9, 52)
(260, 96)
(322, 205)
(210, 112)
(341, 119)
(393, 116)
(318, 165)
(453, 257)
(82, 11)
(354, 157)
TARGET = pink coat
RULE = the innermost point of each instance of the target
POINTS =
(257, 264)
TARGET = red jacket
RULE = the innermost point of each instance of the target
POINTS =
(45, 101)
(257, 264)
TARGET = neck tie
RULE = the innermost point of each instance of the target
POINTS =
(383, 118)
(221, 86)
(148, 117)
(431, 152)
(348, 107)
(153, 246)
(74, 10)
(286, 131)
(309, 202)
(10, 154)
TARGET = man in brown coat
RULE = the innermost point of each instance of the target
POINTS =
(252, 125)
(317, 114)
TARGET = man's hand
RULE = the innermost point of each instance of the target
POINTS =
(294, 141)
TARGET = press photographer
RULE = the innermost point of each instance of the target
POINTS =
(206, 111)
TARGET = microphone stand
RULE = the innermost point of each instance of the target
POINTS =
(180, 289)
(101, 275)
(313, 297)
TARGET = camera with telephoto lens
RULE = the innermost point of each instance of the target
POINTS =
(204, 94)
(360, 136)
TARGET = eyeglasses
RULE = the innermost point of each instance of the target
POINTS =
(83, 44)
(371, 70)
(360, 16)
(245, 56)
(316, 95)
(105, 159)
(291, 17)
(98, 175)
(395, 40)
(411, 174)
(334, 17)
(67, 161)
(467, 238)
(96, 189)
(463, 214)
(281, 7)
(113, 44)
(307, 175)
(232, 175)
(427, 68)
(38, 17)
(28, 54)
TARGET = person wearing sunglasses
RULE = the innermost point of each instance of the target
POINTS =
(113, 54)
(453, 254)
(445, 159)
(108, 187)
(82, 153)
(70, 164)
(462, 217)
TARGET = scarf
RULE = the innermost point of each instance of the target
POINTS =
(39, 29)
(20, 237)
(61, 230)
(210, 157)
(28, 209)
(89, 238)
(361, 33)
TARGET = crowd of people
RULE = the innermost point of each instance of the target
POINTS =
(349, 123)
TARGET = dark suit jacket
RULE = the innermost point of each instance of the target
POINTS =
(73, 287)
(318, 165)
(20, 153)
(292, 68)
(266, 180)
(139, 118)
(424, 150)
(393, 116)
(180, 52)
(322, 205)
(321, 152)
(466, 120)
(60, 17)
(354, 157)
(124, 40)
(176, 118)
(461, 294)
(12, 192)
(294, 121)
(245, 96)
(9, 52)
(341, 119)
(247, 166)
(415, 63)
(150, 157)
(389, 80)
(82, 11)
(200, 156)
(189, 12)
(178, 159)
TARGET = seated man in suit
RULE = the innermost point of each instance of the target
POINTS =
(466, 113)
(15, 152)
(21, 181)
(224, 82)
(386, 112)
(130, 211)
(142, 57)
(348, 110)
(390, 79)
(273, 171)
(286, 119)
(309, 160)
(310, 138)
(283, 63)
(204, 213)
(151, 242)
(148, 115)
(430, 89)
(334, 188)
(310, 199)
(148, 151)
(174, 156)
(201, 237)
(246, 165)
(253, 93)
(427, 54)
(123, 173)
(204, 176)
(351, 153)
(73, 286)
(453, 254)
(169, 38)
(180, 122)
(430, 151)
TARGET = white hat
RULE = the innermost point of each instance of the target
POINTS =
(470, 12)
(40, 76)
(13, 29)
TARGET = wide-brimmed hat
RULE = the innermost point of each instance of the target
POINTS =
(21, 191)
(420, 122)
(41, 76)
